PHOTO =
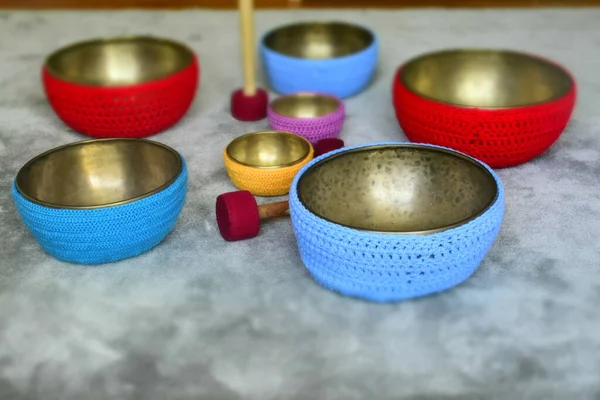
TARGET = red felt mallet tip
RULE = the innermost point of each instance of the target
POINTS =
(249, 107)
(239, 216)
(326, 145)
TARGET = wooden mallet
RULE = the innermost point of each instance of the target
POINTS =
(238, 214)
(249, 103)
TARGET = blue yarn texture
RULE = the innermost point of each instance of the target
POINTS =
(342, 76)
(387, 267)
(105, 235)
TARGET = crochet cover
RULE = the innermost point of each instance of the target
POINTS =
(312, 129)
(500, 138)
(390, 267)
(133, 111)
(342, 76)
(104, 235)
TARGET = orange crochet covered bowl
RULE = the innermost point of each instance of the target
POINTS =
(501, 107)
(121, 87)
(265, 162)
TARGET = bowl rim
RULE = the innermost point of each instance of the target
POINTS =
(113, 39)
(369, 147)
(370, 32)
(157, 190)
(399, 78)
(306, 93)
(303, 140)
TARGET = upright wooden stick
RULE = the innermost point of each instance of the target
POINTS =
(247, 31)
(250, 102)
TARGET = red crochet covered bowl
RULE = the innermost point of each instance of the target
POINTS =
(501, 107)
(121, 87)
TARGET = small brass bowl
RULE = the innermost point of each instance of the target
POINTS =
(389, 221)
(320, 56)
(101, 200)
(502, 107)
(265, 162)
(305, 105)
(314, 116)
(121, 86)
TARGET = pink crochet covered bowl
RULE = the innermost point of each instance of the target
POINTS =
(314, 116)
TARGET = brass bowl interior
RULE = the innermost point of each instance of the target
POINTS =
(268, 149)
(402, 189)
(98, 173)
(485, 78)
(119, 61)
(319, 40)
(305, 105)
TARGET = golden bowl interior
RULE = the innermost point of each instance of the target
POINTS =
(402, 189)
(268, 149)
(485, 78)
(305, 105)
(319, 40)
(119, 61)
(98, 173)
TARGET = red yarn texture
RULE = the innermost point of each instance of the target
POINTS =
(237, 215)
(500, 138)
(133, 111)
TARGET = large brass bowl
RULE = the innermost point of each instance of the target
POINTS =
(485, 78)
(119, 61)
(400, 189)
(319, 40)
(98, 173)
(502, 107)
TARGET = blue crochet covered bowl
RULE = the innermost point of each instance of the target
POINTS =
(392, 221)
(336, 58)
(101, 201)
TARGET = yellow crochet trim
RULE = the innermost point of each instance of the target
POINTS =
(263, 181)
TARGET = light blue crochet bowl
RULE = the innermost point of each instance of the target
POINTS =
(392, 221)
(101, 201)
(336, 58)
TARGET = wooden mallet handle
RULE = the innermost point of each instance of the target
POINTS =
(273, 210)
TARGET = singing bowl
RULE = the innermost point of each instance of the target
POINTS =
(265, 162)
(501, 107)
(391, 221)
(338, 58)
(121, 87)
(101, 200)
(314, 116)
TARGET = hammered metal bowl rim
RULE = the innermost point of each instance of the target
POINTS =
(106, 205)
(308, 94)
(115, 39)
(400, 78)
(305, 142)
(370, 32)
(370, 147)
